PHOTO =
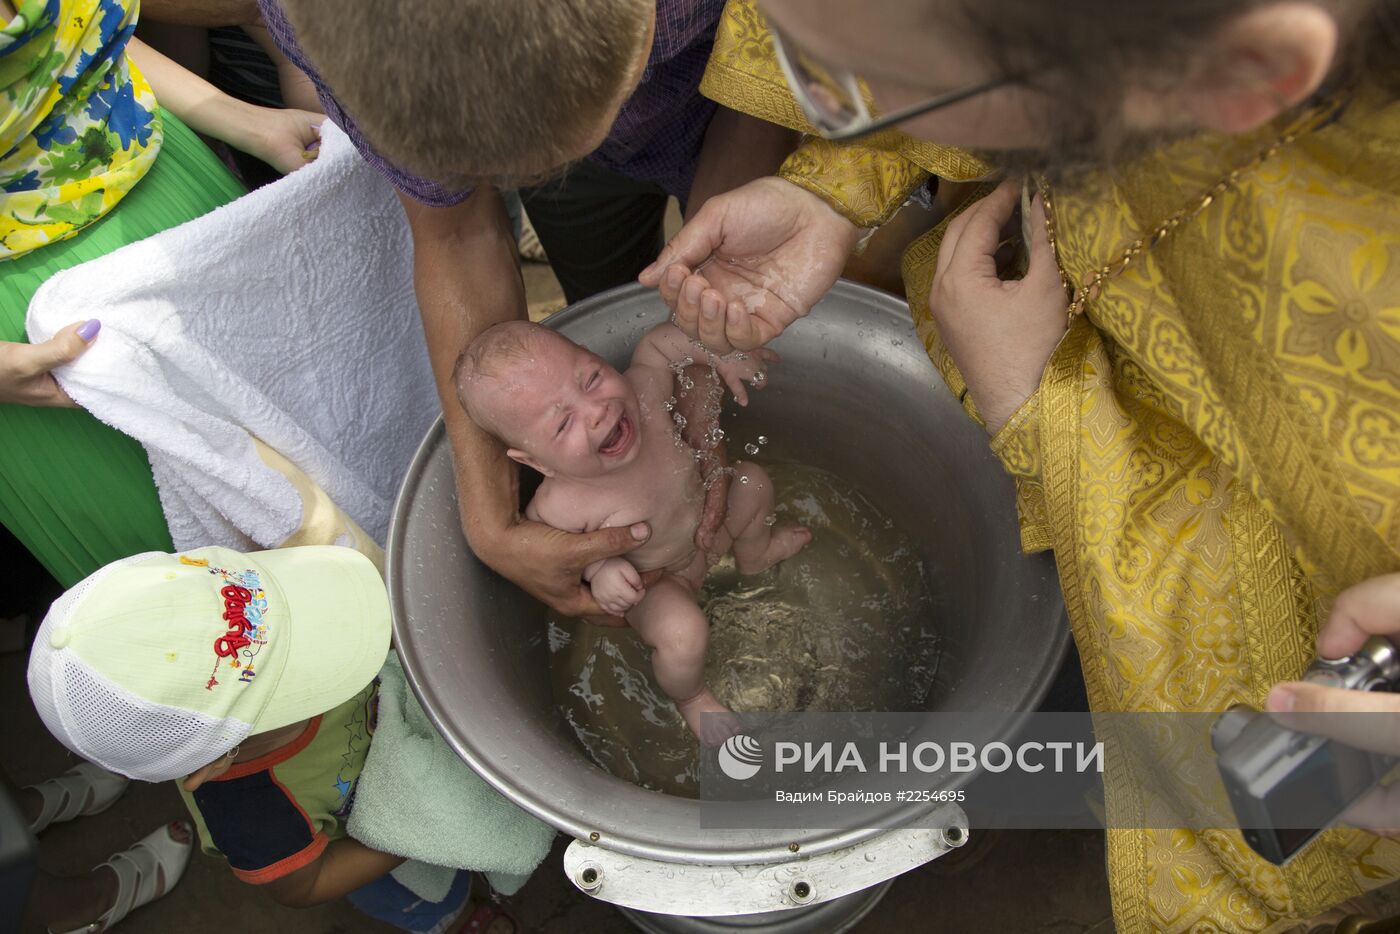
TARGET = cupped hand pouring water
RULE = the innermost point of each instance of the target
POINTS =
(751, 262)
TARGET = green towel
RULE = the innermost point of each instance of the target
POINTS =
(416, 798)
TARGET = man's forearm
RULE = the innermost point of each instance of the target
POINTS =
(467, 278)
(737, 149)
(295, 84)
(202, 12)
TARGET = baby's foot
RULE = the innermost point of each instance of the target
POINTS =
(713, 729)
(785, 541)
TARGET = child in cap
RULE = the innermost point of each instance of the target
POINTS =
(250, 679)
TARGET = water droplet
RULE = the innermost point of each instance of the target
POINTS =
(771, 519)
(743, 479)
(750, 449)
(762, 439)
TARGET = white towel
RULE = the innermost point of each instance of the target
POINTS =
(288, 315)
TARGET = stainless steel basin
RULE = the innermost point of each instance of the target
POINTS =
(855, 395)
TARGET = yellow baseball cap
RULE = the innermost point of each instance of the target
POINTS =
(159, 664)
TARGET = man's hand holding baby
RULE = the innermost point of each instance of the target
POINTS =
(616, 585)
(559, 585)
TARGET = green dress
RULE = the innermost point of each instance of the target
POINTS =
(76, 492)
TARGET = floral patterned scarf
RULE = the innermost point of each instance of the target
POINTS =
(79, 125)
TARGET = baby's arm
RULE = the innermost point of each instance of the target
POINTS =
(550, 511)
(616, 584)
(666, 345)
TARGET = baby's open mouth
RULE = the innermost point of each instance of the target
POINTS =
(618, 439)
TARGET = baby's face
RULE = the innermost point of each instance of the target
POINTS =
(569, 413)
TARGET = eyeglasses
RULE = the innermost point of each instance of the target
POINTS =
(832, 100)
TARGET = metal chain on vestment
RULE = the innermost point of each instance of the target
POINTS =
(1089, 288)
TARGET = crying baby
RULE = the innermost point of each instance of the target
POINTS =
(608, 450)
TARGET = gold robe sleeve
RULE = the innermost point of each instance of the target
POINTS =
(864, 184)
(1017, 446)
(865, 180)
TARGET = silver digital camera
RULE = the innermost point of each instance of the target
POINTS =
(1287, 786)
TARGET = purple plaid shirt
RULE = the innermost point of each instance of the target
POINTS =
(656, 136)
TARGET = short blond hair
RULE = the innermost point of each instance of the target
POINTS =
(466, 90)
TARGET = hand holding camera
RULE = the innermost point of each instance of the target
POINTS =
(1370, 608)
(1292, 774)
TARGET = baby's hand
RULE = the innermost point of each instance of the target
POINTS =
(617, 586)
(751, 369)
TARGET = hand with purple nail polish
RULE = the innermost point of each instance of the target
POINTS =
(26, 376)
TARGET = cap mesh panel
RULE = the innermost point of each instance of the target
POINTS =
(113, 727)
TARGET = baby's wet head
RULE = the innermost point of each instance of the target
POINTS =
(496, 370)
(559, 408)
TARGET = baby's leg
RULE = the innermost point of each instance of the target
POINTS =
(669, 620)
(757, 545)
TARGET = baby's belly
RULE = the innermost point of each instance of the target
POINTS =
(672, 542)
(673, 553)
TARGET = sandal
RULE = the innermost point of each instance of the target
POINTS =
(82, 790)
(485, 915)
(138, 872)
